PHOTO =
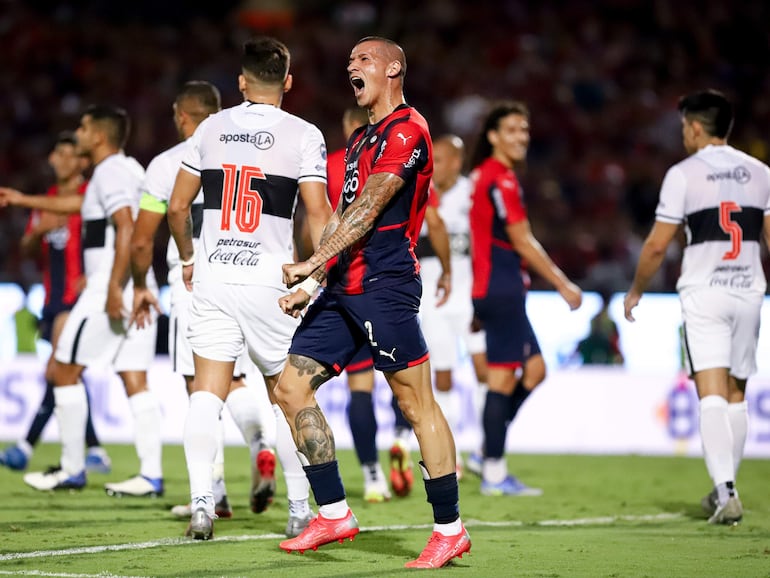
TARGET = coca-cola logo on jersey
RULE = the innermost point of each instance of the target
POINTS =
(263, 140)
(236, 252)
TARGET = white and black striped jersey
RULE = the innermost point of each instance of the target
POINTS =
(722, 196)
(251, 159)
(159, 183)
(454, 207)
(116, 183)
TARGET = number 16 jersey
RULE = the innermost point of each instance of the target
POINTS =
(251, 159)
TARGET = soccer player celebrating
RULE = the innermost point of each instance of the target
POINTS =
(722, 198)
(251, 160)
(502, 245)
(372, 297)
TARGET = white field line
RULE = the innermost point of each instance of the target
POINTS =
(61, 574)
(254, 537)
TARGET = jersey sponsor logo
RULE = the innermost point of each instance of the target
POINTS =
(412, 159)
(236, 252)
(57, 238)
(739, 174)
(732, 276)
(403, 138)
(262, 140)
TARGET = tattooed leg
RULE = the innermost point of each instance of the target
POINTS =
(314, 436)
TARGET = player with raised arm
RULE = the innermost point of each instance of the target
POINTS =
(502, 248)
(372, 298)
(251, 160)
(721, 196)
(55, 239)
(97, 330)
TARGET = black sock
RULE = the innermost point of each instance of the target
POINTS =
(519, 395)
(326, 482)
(444, 496)
(496, 413)
(42, 416)
(363, 426)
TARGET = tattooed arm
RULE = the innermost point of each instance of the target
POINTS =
(353, 225)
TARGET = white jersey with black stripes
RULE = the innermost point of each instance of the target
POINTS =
(721, 195)
(251, 159)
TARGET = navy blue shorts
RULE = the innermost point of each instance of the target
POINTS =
(383, 322)
(362, 361)
(510, 338)
(45, 324)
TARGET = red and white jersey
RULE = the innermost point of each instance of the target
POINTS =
(251, 159)
(159, 183)
(722, 196)
(116, 183)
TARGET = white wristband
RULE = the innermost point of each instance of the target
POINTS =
(309, 286)
(188, 262)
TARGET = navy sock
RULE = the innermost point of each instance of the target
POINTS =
(401, 422)
(519, 395)
(444, 496)
(496, 414)
(326, 482)
(91, 439)
(363, 426)
(42, 416)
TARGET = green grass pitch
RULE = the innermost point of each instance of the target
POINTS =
(600, 516)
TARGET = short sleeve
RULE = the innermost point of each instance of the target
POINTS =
(191, 161)
(672, 194)
(313, 163)
(404, 152)
(507, 199)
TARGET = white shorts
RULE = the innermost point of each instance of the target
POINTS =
(721, 330)
(90, 338)
(447, 328)
(224, 318)
(179, 348)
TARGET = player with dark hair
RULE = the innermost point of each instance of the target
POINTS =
(252, 160)
(55, 239)
(372, 298)
(502, 248)
(97, 329)
(721, 196)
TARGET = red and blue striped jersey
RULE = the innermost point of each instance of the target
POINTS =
(399, 144)
(62, 257)
(497, 201)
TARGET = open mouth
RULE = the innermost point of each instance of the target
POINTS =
(358, 83)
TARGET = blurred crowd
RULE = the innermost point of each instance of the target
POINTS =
(601, 78)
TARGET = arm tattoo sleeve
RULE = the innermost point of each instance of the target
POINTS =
(359, 217)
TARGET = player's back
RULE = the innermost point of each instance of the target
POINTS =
(159, 184)
(251, 159)
(726, 197)
(116, 183)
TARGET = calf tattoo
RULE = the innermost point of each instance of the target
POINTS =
(314, 436)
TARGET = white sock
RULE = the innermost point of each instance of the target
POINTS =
(297, 486)
(494, 470)
(335, 511)
(72, 412)
(243, 405)
(717, 439)
(450, 407)
(147, 433)
(738, 414)
(479, 401)
(200, 444)
(218, 467)
(450, 529)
